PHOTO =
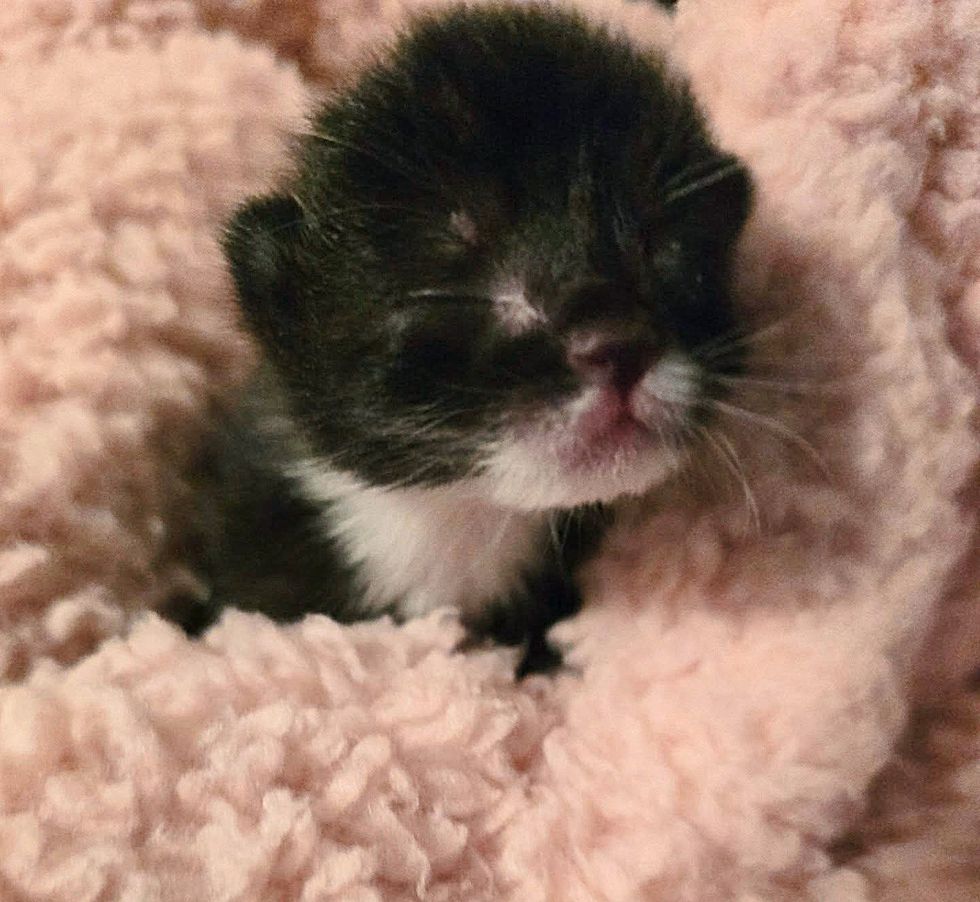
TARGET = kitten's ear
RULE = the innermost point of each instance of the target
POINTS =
(261, 242)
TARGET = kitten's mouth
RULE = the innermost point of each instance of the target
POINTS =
(610, 440)
(633, 391)
(612, 424)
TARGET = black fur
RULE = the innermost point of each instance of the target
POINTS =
(566, 151)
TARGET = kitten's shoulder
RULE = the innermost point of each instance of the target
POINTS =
(263, 545)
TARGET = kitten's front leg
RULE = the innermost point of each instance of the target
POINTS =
(551, 595)
(524, 620)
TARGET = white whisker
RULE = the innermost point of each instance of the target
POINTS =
(776, 427)
(726, 170)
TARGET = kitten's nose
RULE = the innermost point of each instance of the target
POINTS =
(617, 356)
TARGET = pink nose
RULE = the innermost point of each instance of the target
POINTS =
(614, 357)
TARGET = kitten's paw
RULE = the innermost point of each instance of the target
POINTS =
(192, 614)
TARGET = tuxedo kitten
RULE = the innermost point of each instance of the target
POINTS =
(491, 301)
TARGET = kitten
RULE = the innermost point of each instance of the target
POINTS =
(491, 301)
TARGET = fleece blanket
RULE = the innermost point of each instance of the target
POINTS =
(771, 693)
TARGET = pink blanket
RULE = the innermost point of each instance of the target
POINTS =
(771, 707)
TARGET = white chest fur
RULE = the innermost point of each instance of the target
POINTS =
(424, 548)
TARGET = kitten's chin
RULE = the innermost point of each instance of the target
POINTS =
(540, 475)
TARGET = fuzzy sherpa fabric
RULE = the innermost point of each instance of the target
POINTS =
(769, 693)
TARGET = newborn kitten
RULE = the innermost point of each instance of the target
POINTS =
(491, 300)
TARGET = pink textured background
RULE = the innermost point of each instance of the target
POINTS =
(783, 713)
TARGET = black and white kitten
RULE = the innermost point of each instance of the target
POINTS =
(491, 300)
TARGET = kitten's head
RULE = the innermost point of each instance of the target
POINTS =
(502, 260)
